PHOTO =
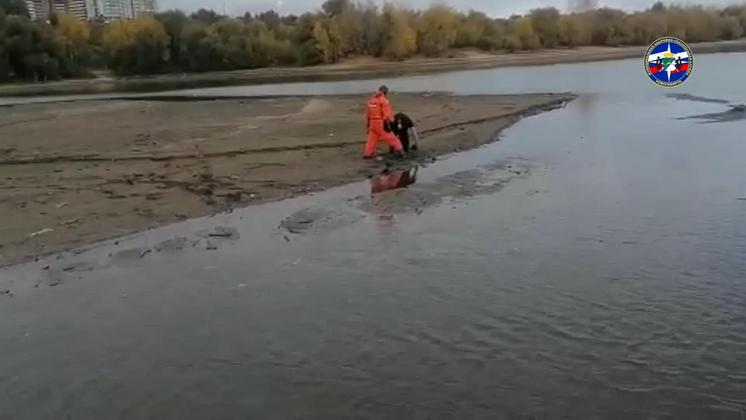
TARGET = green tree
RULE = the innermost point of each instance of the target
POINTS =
(323, 42)
(306, 46)
(373, 30)
(14, 7)
(270, 18)
(334, 8)
(138, 46)
(4, 59)
(174, 22)
(235, 44)
(33, 51)
(207, 16)
(200, 48)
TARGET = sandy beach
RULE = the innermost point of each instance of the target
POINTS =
(92, 170)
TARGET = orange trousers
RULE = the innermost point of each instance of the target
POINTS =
(377, 133)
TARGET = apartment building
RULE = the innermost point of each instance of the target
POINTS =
(90, 9)
(140, 7)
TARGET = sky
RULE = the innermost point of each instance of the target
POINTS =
(494, 8)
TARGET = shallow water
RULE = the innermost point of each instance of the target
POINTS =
(589, 265)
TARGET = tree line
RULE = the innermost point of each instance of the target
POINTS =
(172, 41)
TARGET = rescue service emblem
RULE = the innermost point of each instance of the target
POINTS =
(669, 62)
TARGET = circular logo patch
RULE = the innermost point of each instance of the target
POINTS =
(669, 62)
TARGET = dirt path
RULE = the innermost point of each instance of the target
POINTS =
(363, 68)
(94, 170)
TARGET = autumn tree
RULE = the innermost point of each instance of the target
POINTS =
(401, 40)
(437, 30)
(545, 23)
(523, 30)
(205, 40)
(75, 37)
(139, 46)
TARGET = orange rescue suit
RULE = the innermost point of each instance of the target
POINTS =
(377, 113)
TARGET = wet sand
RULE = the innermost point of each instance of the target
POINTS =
(86, 171)
(359, 68)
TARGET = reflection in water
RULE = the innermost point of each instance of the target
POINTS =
(393, 180)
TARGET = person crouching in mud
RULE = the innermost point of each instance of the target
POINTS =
(401, 127)
(378, 114)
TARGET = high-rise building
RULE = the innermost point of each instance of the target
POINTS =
(43, 9)
(77, 8)
(89, 9)
(114, 9)
(39, 9)
(140, 7)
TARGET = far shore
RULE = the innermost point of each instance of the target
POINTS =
(360, 68)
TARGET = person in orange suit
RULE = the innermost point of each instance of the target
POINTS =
(378, 114)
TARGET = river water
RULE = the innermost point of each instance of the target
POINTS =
(602, 276)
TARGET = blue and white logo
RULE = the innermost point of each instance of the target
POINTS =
(669, 62)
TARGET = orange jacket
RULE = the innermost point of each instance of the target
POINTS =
(378, 108)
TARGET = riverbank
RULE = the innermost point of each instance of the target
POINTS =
(363, 68)
(93, 170)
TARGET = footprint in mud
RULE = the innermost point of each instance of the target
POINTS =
(175, 245)
(314, 220)
(130, 255)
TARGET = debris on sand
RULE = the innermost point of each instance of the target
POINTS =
(224, 232)
(175, 244)
(41, 232)
(689, 97)
(735, 113)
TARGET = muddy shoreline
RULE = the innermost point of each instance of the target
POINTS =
(97, 170)
(351, 70)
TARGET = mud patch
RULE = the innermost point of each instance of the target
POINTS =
(129, 255)
(458, 186)
(315, 220)
(175, 245)
(735, 113)
(694, 98)
(396, 191)
(221, 232)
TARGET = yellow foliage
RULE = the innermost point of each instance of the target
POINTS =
(73, 29)
(121, 33)
(524, 31)
(323, 41)
(402, 38)
(437, 29)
